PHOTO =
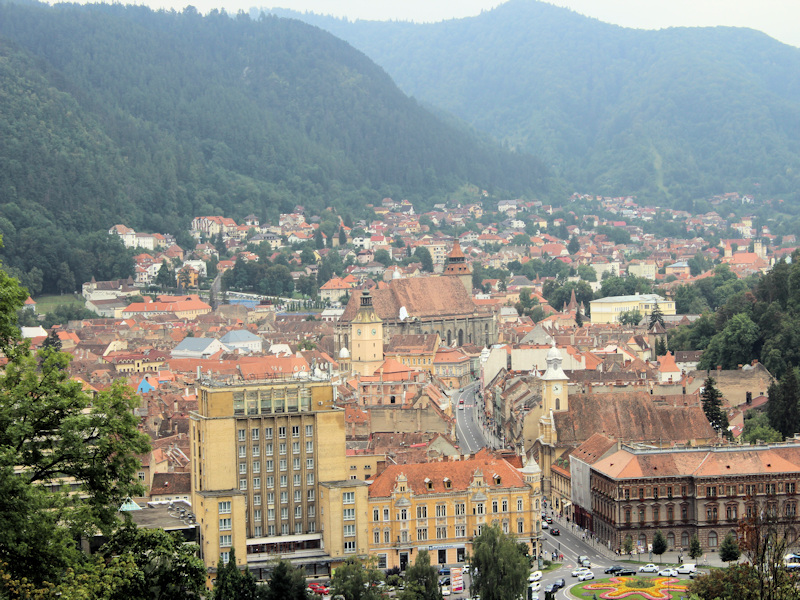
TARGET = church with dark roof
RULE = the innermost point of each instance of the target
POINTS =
(425, 305)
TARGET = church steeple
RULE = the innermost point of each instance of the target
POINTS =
(457, 266)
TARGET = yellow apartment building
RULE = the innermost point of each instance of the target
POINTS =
(268, 469)
(608, 310)
(442, 506)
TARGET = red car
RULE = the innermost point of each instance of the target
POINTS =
(318, 588)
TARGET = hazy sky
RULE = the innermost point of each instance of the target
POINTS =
(777, 18)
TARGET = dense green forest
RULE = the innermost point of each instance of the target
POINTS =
(672, 115)
(119, 114)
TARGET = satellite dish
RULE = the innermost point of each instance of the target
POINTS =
(403, 313)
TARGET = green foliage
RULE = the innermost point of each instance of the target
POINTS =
(695, 549)
(712, 406)
(423, 255)
(650, 136)
(729, 549)
(421, 581)
(558, 295)
(286, 583)
(148, 118)
(737, 581)
(168, 568)
(783, 408)
(732, 346)
(659, 543)
(630, 317)
(356, 581)
(382, 256)
(656, 316)
(574, 245)
(757, 427)
(614, 285)
(502, 570)
(587, 273)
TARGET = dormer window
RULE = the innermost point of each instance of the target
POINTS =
(447, 483)
(428, 484)
(496, 478)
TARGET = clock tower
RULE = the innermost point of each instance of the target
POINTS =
(366, 333)
(554, 399)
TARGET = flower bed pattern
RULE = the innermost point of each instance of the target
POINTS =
(651, 588)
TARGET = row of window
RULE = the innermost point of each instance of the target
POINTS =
(269, 481)
(711, 491)
(441, 510)
(460, 531)
(269, 449)
(255, 432)
(269, 465)
(284, 497)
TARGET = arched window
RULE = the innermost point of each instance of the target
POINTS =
(712, 539)
(460, 337)
(643, 540)
(670, 540)
(685, 539)
(558, 403)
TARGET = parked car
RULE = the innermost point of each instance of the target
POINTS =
(695, 574)
(444, 581)
(535, 576)
(444, 571)
(445, 590)
(585, 575)
(687, 568)
(613, 569)
(648, 568)
(554, 531)
(668, 572)
(578, 570)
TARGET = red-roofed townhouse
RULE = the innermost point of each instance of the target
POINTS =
(442, 506)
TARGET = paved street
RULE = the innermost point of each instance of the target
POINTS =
(468, 429)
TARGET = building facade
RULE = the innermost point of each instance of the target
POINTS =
(608, 310)
(442, 506)
(693, 491)
(262, 454)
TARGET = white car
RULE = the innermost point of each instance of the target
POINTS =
(445, 590)
(687, 568)
(545, 525)
(535, 576)
(585, 575)
(668, 572)
(578, 570)
(648, 568)
(535, 586)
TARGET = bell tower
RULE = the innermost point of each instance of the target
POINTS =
(457, 266)
(366, 333)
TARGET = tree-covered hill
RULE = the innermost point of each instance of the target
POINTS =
(671, 115)
(114, 114)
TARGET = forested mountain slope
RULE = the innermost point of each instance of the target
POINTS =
(671, 115)
(115, 114)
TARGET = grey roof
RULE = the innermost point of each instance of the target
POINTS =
(239, 335)
(194, 344)
(633, 298)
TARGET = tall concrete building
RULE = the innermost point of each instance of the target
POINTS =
(269, 476)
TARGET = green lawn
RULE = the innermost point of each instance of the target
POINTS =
(46, 304)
